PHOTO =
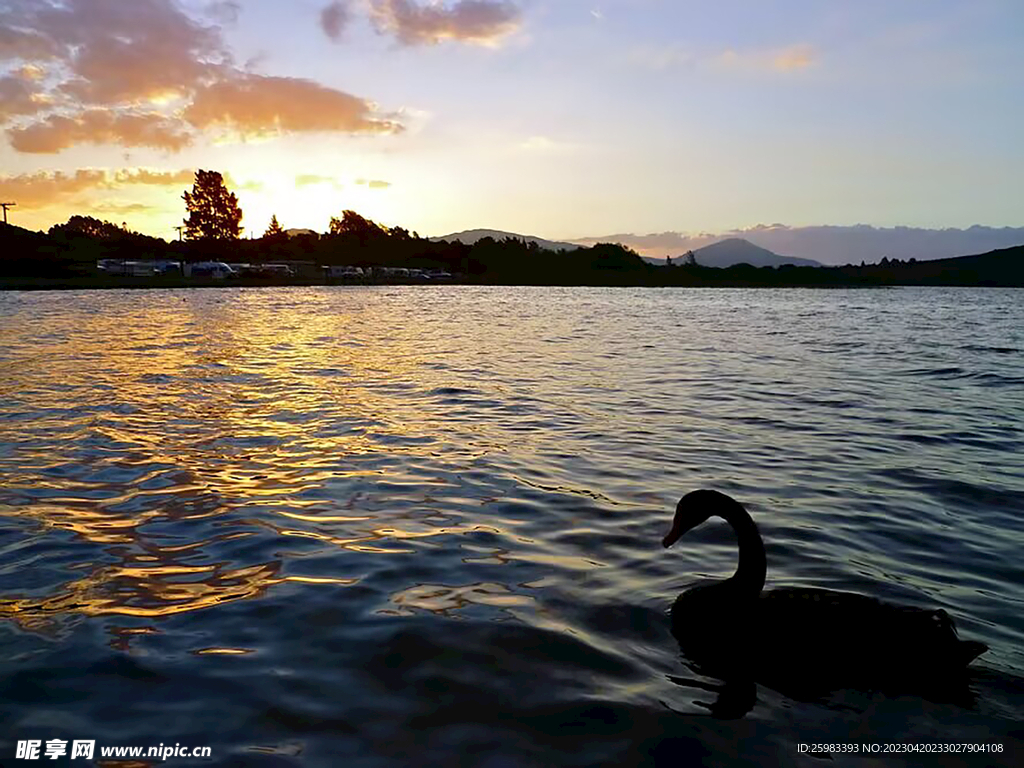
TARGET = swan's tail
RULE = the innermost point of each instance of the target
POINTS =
(969, 650)
(962, 652)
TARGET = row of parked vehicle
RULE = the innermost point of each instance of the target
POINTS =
(221, 270)
(214, 269)
(387, 273)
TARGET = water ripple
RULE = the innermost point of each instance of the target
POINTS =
(382, 525)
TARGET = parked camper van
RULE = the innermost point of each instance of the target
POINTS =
(339, 272)
(148, 268)
(215, 269)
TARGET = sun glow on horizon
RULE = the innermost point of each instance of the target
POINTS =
(542, 118)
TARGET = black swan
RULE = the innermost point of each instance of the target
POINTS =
(803, 638)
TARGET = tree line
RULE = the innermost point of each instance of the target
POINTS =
(212, 231)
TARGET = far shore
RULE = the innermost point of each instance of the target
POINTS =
(104, 282)
(379, 256)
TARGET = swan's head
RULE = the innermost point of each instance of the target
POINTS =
(693, 509)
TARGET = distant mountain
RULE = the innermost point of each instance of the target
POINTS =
(470, 236)
(735, 250)
(296, 231)
(830, 244)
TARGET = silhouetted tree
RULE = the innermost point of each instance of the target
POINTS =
(691, 260)
(274, 231)
(351, 223)
(87, 226)
(213, 212)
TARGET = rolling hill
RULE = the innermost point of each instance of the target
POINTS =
(470, 236)
(735, 250)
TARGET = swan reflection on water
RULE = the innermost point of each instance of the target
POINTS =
(804, 642)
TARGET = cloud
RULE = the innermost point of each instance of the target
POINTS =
(37, 190)
(224, 11)
(20, 95)
(44, 188)
(119, 72)
(100, 126)
(374, 183)
(789, 59)
(679, 56)
(146, 176)
(30, 72)
(334, 19)
(312, 179)
(122, 208)
(257, 105)
(309, 179)
(123, 52)
(794, 57)
(27, 45)
(476, 21)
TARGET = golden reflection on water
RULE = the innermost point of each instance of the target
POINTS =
(140, 592)
(189, 410)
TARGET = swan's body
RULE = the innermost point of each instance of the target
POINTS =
(813, 638)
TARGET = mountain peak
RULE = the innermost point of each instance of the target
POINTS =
(736, 250)
(471, 236)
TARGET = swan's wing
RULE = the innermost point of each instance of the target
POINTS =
(860, 628)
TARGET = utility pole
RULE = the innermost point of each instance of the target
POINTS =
(5, 207)
(179, 228)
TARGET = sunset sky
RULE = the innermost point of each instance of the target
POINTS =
(559, 118)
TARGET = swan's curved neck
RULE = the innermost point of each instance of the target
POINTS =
(750, 573)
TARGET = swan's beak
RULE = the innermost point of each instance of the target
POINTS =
(672, 536)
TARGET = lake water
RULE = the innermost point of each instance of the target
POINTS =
(421, 525)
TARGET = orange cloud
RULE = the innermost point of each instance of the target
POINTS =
(790, 59)
(130, 74)
(37, 190)
(100, 126)
(20, 95)
(42, 189)
(128, 52)
(31, 72)
(119, 55)
(794, 57)
(257, 105)
(474, 21)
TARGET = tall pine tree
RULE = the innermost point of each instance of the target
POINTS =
(213, 212)
(274, 231)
